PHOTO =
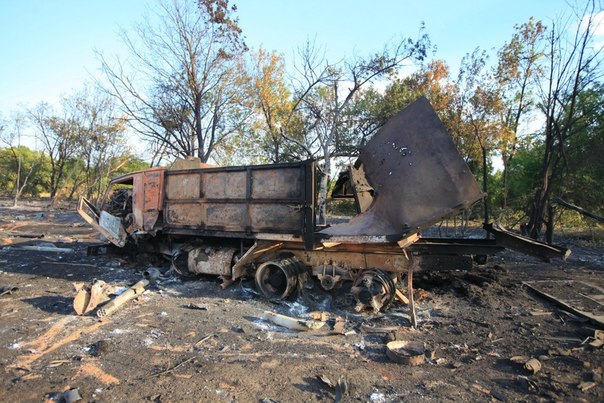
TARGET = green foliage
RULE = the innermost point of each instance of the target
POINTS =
(215, 105)
(583, 181)
(133, 164)
(341, 207)
(523, 172)
(31, 161)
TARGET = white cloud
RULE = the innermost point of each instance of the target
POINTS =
(597, 22)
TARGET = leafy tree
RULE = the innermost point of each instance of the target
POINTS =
(516, 69)
(84, 142)
(432, 81)
(572, 66)
(325, 95)
(523, 172)
(101, 140)
(181, 89)
(24, 168)
(23, 172)
(273, 105)
(583, 178)
(59, 138)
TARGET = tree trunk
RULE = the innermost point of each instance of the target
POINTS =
(540, 201)
(535, 224)
(549, 231)
(504, 196)
(18, 183)
(322, 206)
(485, 182)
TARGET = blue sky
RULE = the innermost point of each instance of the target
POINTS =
(47, 47)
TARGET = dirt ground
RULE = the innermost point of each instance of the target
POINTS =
(189, 340)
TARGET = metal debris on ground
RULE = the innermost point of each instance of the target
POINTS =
(89, 297)
(406, 352)
(8, 289)
(339, 325)
(43, 247)
(196, 306)
(24, 235)
(519, 359)
(585, 386)
(579, 297)
(381, 329)
(131, 293)
(323, 378)
(71, 395)
(292, 323)
(533, 365)
(341, 389)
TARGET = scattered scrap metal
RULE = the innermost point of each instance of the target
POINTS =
(8, 289)
(259, 221)
(97, 296)
(580, 297)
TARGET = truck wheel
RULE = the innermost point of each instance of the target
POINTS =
(277, 279)
(373, 289)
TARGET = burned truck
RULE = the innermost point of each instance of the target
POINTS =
(259, 221)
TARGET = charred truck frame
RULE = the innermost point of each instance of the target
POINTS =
(260, 220)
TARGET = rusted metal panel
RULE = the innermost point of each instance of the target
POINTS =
(178, 214)
(147, 197)
(113, 225)
(241, 201)
(138, 199)
(276, 217)
(417, 175)
(109, 226)
(277, 184)
(224, 184)
(226, 216)
(579, 297)
(183, 186)
(153, 185)
(362, 191)
(309, 204)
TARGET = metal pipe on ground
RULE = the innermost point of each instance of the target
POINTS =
(131, 293)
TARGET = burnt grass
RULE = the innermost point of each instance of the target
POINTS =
(190, 340)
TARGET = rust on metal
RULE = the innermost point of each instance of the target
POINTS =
(240, 201)
(525, 244)
(259, 220)
(406, 352)
(152, 196)
(373, 289)
(134, 291)
(88, 298)
(417, 175)
(211, 260)
(362, 190)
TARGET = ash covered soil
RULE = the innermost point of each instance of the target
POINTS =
(189, 340)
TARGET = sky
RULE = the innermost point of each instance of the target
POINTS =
(47, 47)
